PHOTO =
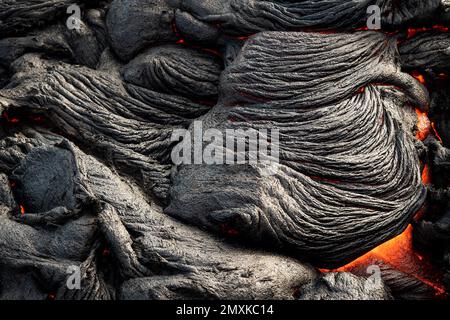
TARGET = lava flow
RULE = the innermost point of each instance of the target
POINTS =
(398, 252)
(400, 255)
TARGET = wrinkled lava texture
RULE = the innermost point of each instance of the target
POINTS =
(87, 180)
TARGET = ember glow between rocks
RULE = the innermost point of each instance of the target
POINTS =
(399, 253)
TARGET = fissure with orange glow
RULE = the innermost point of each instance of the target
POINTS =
(413, 31)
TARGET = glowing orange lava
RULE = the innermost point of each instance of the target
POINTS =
(426, 178)
(390, 251)
(399, 254)
(418, 76)
(423, 125)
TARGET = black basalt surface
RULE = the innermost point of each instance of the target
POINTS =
(87, 117)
